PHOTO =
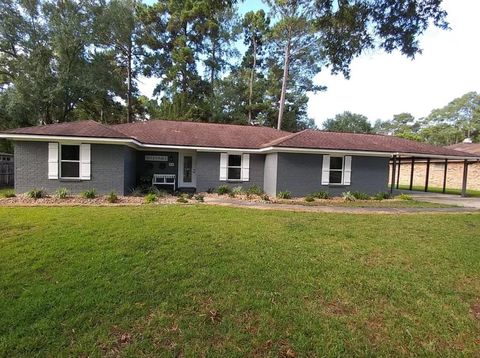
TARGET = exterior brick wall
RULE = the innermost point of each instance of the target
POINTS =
(435, 178)
(31, 169)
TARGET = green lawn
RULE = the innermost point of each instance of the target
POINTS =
(214, 281)
(398, 204)
(470, 192)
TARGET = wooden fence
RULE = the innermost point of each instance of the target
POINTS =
(6, 174)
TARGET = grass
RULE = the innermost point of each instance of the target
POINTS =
(399, 204)
(227, 282)
(470, 192)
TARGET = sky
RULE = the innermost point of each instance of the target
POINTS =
(382, 85)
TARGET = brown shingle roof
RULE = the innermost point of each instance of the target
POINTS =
(314, 139)
(72, 129)
(473, 148)
(199, 134)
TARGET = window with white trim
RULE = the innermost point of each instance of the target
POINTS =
(234, 167)
(70, 161)
(336, 170)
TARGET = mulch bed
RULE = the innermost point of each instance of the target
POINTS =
(23, 200)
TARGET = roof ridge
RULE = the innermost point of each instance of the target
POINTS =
(284, 138)
(196, 122)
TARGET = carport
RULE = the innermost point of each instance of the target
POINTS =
(402, 158)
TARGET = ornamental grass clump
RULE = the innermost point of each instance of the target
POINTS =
(360, 195)
(383, 195)
(112, 197)
(36, 193)
(285, 194)
(320, 194)
(89, 194)
(348, 196)
(223, 190)
(62, 193)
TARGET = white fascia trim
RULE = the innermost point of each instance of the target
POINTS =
(135, 144)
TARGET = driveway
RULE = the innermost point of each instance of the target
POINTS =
(443, 198)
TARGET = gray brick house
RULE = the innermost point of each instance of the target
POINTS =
(197, 156)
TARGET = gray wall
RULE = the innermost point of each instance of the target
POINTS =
(107, 171)
(208, 171)
(301, 174)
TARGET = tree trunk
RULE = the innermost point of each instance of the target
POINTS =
(129, 83)
(252, 77)
(284, 82)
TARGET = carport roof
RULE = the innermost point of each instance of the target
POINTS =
(212, 135)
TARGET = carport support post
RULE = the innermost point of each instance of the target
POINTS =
(394, 168)
(411, 172)
(445, 176)
(464, 181)
(398, 174)
(427, 174)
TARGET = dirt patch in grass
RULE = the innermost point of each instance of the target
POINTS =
(475, 309)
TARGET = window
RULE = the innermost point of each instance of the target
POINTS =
(336, 170)
(70, 161)
(234, 168)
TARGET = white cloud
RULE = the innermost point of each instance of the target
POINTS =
(382, 85)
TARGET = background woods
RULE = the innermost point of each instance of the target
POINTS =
(65, 60)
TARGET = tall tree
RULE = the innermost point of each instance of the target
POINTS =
(256, 28)
(119, 31)
(342, 30)
(348, 122)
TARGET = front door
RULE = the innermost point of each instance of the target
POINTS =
(186, 170)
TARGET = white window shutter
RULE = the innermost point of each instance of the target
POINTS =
(347, 171)
(52, 160)
(223, 166)
(245, 167)
(326, 170)
(85, 161)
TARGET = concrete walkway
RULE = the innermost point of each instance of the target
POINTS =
(439, 198)
(223, 201)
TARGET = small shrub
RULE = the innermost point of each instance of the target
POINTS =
(89, 194)
(210, 190)
(254, 190)
(155, 191)
(265, 197)
(348, 196)
(309, 199)
(36, 193)
(237, 190)
(9, 194)
(182, 199)
(404, 197)
(360, 195)
(199, 197)
(223, 189)
(382, 195)
(320, 195)
(62, 193)
(137, 192)
(112, 197)
(150, 198)
(285, 194)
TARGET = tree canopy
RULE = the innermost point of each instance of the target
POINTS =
(69, 60)
(348, 122)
